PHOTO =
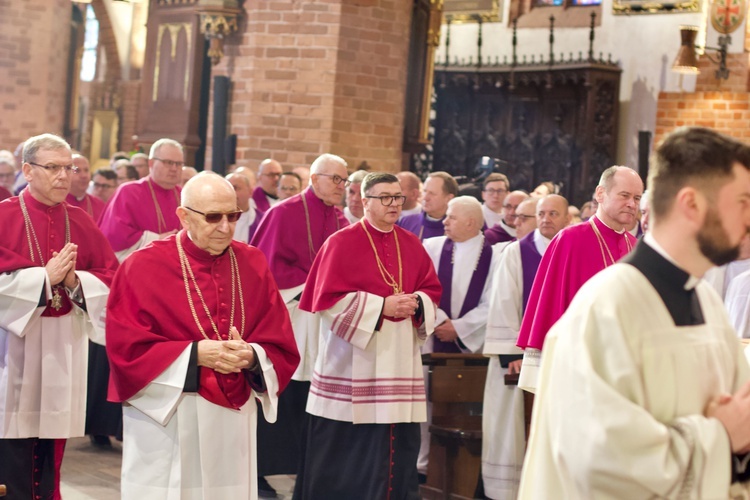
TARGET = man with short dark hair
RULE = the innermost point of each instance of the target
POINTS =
(104, 184)
(644, 388)
(265, 193)
(374, 291)
(494, 190)
(289, 185)
(55, 272)
(577, 254)
(439, 189)
(145, 210)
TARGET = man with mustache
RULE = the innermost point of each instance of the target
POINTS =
(573, 257)
(643, 389)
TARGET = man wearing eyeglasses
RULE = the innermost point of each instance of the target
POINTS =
(144, 210)
(266, 193)
(439, 189)
(375, 291)
(289, 185)
(79, 183)
(505, 230)
(503, 440)
(290, 235)
(55, 272)
(494, 191)
(103, 184)
(196, 331)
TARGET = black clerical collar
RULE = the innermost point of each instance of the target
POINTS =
(669, 282)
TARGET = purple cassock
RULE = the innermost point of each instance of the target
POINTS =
(132, 210)
(423, 227)
(497, 234)
(473, 294)
(291, 233)
(530, 259)
(261, 200)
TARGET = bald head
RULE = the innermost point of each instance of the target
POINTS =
(249, 174)
(269, 172)
(204, 187)
(241, 189)
(411, 186)
(208, 194)
(187, 174)
(552, 215)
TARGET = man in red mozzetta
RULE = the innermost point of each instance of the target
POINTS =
(55, 272)
(375, 290)
(197, 331)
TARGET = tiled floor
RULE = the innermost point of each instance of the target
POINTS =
(90, 473)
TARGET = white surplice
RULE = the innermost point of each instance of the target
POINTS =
(44, 360)
(350, 216)
(720, 277)
(491, 218)
(737, 302)
(242, 228)
(306, 327)
(358, 369)
(619, 407)
(179, 446)
(503, 432)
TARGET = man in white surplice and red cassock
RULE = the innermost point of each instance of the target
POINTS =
(55, 272)
(197, 332)
(376, 291)
(643, 389)
(575, 255)
(145, 210)
(503, 433)
(290, 235)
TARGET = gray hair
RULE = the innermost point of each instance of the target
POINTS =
(608, 176)
(32, 145)
(163, 142)
(470, 207)
(326, 159)
(358, 176)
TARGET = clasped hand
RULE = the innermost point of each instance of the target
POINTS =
(226, 356)
(401, 305)
(733, 411)
(61, 268)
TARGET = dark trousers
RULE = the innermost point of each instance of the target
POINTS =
(30, 468)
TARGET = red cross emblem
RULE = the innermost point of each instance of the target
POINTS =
(727, 15)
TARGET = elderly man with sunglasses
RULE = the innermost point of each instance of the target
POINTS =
(290, 235)
(55, 272)
(145, 210)
(202, 335)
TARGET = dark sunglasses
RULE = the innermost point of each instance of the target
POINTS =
(215, 217)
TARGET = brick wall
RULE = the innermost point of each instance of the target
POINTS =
(723, 105)
(303, 85)
(34, 42)
(130, 95)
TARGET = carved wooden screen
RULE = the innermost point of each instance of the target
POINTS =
(556, 125)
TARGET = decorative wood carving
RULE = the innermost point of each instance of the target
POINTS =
(550, 123)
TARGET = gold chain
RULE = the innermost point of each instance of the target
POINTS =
(159, 215)
(603, 244)
(389, 280)
(310, 246)
(236, 285)
(30, 232)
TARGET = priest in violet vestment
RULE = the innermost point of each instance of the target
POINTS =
(290, 235)
(503, 431)
(55, 272)
(145, 210)
(265, 194)
(196, 331)
(439, 189)
(575, 255)
(644, 389)
(250, 218)
(464, 262)
(505, 229)
(376, 292)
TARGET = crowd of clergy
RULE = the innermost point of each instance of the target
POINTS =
(273, 321)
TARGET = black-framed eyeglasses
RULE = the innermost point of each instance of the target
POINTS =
(337, 179)
(389, 200)
(495, 191)
(215, 217)
(525, 217)
(56, 169)
(170, 163)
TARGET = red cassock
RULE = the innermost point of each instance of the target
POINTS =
(572, 258)
(149, 321)
(346, 264)
(89, 204)
(94, 252)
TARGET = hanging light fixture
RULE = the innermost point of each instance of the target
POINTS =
(686, 61)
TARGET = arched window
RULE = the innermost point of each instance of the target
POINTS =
(90, 45)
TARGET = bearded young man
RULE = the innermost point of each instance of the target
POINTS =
(643, 389)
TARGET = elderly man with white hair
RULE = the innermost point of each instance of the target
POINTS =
(290, 235)
(464, 261)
